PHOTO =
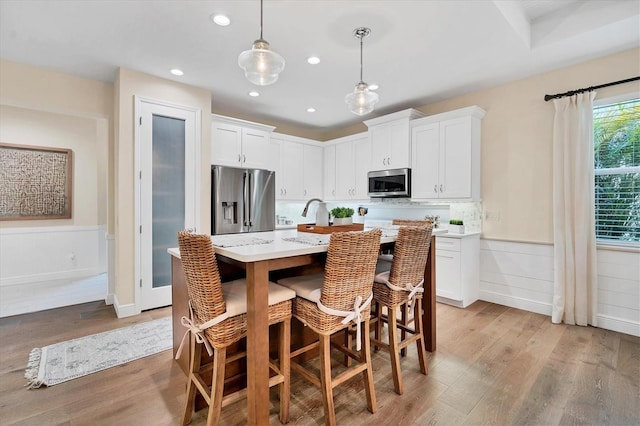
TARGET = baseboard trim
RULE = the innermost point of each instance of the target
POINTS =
(619, 325)
(109, 299)
(123, 311)
(516, 302)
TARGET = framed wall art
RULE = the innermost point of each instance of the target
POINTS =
(35, 182)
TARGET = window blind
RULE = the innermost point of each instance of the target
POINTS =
(617, 171)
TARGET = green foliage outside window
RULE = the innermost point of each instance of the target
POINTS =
(617, 171)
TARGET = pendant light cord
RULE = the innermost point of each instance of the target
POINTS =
(261, 20)
(361, 81)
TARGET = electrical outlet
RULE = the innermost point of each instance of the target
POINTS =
(492, 215)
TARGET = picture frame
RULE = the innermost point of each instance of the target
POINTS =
(36, 182)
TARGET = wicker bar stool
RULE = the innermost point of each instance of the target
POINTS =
(334, 301)
(384, 264)
(218, 319)
(402, 286)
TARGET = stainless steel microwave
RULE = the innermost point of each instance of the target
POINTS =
(390, 183)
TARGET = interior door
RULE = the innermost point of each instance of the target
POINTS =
(167, 194)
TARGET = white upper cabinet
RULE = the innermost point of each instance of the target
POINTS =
(239, 143)
(352, 161)
(445, 152)
(390, 137)
(298, 166)
(329, 175)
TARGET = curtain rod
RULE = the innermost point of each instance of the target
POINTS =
(588, 89)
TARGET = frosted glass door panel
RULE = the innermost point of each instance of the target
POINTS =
(168, 206)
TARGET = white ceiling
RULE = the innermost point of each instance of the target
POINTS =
(418, 51)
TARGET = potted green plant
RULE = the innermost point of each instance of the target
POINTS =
(342, 215)
(456, 226)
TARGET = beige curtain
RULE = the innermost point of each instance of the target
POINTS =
(575, 276)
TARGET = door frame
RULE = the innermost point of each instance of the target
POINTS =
(193, 160)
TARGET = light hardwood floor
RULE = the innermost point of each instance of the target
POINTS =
(494, 365)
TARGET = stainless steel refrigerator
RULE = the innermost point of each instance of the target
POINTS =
(243, 200)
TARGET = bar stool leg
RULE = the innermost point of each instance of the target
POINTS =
(422, 353)
(377, 327)
(404, 320)
(194, 362)
(325, 380)
(285, 369)
(394, 351)
(367, 375)
(217, 386)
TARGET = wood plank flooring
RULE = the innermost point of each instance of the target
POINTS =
(494, 366)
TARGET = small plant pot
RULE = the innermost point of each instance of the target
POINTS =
(456, 229)
(342, 220)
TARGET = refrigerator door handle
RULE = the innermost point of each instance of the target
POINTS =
(249, 201)
(245, 200)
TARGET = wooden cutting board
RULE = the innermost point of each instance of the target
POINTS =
(330, 229)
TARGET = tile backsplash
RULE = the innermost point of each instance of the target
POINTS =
(387, 209)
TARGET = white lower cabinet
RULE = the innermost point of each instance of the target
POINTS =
(458, 269)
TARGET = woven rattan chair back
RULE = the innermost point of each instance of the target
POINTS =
(350, 268)
(202, 277)
(410, 222)
(410, 254)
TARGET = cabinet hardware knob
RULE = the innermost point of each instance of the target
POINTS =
(239, 158)
(384, 161)
(441, 188)
(244, 158)
(435, 188)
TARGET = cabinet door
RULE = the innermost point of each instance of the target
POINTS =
(275, 149)
(362, 157)
(448, 279)
(255, 149)
(425, 141)
(455, 158)
(345, 173)
(226, 144)
(380, 136)
(291, 168)
(398, 156)
(313, 160)
(329, 173)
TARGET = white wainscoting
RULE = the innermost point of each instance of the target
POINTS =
(49, 267)
(520, 275)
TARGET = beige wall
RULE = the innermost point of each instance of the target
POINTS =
(47, 108)
(129, 84)
(517, 142)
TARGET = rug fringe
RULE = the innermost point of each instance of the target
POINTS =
(33, 366)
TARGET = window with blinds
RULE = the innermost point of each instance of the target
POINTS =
(617, 171)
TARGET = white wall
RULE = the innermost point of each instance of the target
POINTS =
(49, 267)
(45, 108)
(520, 275)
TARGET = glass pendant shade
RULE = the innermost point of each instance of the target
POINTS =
(362, 100)
(261, 65)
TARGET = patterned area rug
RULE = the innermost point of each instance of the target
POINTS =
(75, 358)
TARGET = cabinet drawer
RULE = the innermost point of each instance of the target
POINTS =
(444, 243)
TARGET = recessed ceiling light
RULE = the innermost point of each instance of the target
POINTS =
(221, 20)
(311, 109)
(176, 71)
(313, 60)
(373, 87)
(254, 93)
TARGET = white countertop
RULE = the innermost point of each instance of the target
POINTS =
(277, 247)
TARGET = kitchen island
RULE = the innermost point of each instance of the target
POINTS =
(258, 254)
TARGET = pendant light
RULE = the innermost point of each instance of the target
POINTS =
(361, 100)
(260, 64)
